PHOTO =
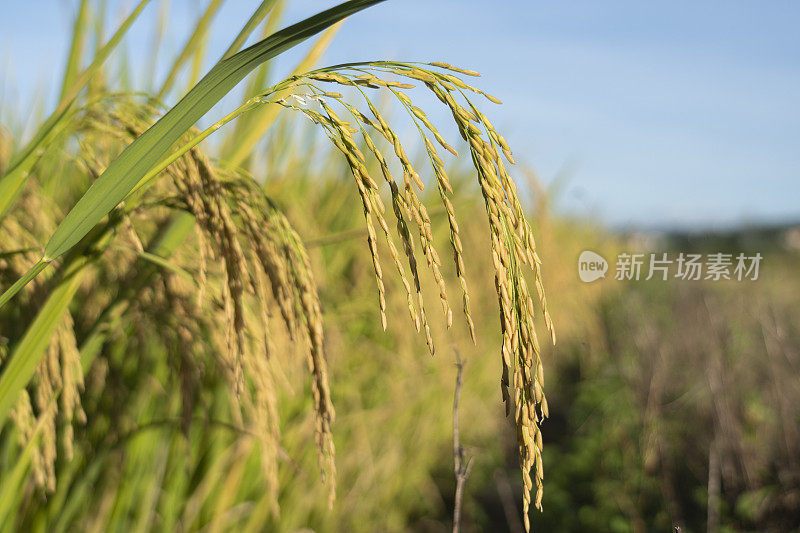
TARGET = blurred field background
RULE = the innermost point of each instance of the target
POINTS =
(671, 403)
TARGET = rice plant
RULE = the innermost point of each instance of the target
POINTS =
(154, 246)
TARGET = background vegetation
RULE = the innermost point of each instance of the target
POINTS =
(671, 403)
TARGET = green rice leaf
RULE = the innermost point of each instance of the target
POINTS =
(34, 271)
(254, 20)
(192, 45)
(132, 164)
(79, 33)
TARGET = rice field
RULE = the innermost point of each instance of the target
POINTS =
(255, 325)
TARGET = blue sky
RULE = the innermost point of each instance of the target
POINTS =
(655, 114)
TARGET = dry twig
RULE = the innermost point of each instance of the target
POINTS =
(461, 468)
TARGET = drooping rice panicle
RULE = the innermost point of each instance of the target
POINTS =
(513, 245)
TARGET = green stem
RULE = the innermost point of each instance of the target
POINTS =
(34, 271)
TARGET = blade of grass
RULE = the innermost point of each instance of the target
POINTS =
(192, 45)
(181, 225)
(76, 48)
(13, 180)
(256, 18)
(228, 488)
(163, 245)
(27, 354)
(34, 271)
(156, 44)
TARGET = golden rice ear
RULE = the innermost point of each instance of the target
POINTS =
(512, 241)
(58, 381)
(284, 259)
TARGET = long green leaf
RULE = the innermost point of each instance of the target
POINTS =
(254, 20)
(34, 271)
(191, 47)
(76, 48)
(132, 164)
(20, 365)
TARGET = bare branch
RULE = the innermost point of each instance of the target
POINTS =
(461, 469)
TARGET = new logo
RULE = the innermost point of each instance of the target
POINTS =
(591, 266)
